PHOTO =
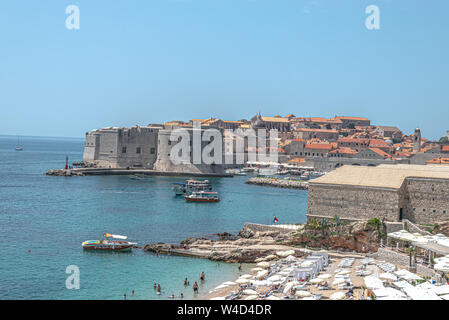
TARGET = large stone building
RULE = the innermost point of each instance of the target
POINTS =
(145, 147)
(418, 193)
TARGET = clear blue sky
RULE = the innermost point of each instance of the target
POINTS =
(149, 61)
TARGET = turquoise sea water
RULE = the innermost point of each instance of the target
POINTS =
(52, 216)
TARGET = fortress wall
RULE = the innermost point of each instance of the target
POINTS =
(353, 202)
(137, 147)
(90, 147)
(428, 200)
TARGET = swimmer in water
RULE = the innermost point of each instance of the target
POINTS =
(195, 287)
(202, 276)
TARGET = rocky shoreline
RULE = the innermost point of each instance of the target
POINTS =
(279, 183)
(251, 244)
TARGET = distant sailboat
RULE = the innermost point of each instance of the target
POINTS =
(18, 148)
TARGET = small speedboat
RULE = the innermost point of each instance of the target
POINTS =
(202, 196)
(109, 242)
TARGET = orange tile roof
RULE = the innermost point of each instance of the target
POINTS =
(316, 130)
(380, 152)
(299, 140)
(350, 118)
(320, 146)
(274, 119)
(445, 148)
(343, 150)
(379, 143)
(297, 160)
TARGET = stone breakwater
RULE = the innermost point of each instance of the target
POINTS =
(279, 183)
(124, 171)
(247, 247)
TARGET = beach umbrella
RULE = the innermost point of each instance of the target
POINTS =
(443, 267)
(337, 296)
(250, 292)
(262, 274)
(325, 276)
(316, 281)
(253, 297)
(286, 253)
(303, 294)
(246, 276)
(344, 272)
(242, 281)
(276, 277)
(269, 257)
(263, 264)
(290, 259)
(388, 276)
(229, 283)
(288, 286)
(338, 281)
(256, 269)
(272, 298)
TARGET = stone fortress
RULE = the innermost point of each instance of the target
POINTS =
(418, 193)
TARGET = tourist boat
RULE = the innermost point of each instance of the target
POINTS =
(18, 147)
(190, 186)
(109, 242)
(202, 196)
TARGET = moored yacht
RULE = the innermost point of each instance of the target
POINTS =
(202, 196)
(109, 242)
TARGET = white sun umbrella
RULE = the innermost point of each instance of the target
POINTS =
(272, 298)
(316, 281)
(302, 293)
(325, 276)
(372, 282)
(229, 283)
(286, 253)
(242, 281)
(262, 274)
(250, 292)
(256, 269)
(269, 257)
(443, 267)
(344, 272)
(276, 277)
(338, 281)
(290, 258)
(246, 276)
(263, 264)
(253, 297)
(444, 259)
(337, 296)
(388, 276)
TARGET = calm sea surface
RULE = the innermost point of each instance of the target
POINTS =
(52, 216)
